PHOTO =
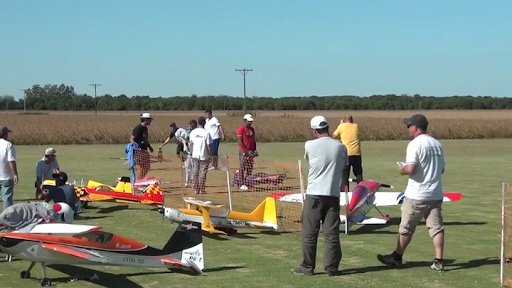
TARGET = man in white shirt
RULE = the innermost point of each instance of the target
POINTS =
(327, 158)
(201, 146)
(215, 129)
(45, 168)
(8, 168)
(424, 164)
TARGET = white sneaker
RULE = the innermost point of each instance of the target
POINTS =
(243, 187)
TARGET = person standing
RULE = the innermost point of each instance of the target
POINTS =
(188, 154)
(246, 149)
(8, 168)
(348, 133)
(45, 168)
(424, 164)
(201, 147)
(140, 135)
(327, 157)
(217, 132)
(179, 146)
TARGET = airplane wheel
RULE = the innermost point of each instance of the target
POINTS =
(25, 274)
(231, 231)
(45, 282)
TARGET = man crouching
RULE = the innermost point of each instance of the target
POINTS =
(61, 192)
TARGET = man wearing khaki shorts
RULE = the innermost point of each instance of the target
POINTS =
(424, 193)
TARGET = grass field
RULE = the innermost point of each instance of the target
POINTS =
(61, 128)
(474, 167)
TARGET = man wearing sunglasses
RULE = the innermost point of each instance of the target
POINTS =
(424, 164)
(45, 169)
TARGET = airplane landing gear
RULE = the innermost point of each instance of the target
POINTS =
(24, 274)
(45, 282)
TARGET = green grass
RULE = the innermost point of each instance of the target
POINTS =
(475, 167)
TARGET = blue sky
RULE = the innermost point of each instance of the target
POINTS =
(296, 48)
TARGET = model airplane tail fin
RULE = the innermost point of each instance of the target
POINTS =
(188, 239)
(154, 194)
(266, 213)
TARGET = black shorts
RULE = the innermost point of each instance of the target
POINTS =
(179, 148)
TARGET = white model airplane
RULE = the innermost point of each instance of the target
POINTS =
(363, 198)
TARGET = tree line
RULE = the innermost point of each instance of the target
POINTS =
(65, 98)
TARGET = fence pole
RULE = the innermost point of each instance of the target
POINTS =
(504, 188)
(229, 184)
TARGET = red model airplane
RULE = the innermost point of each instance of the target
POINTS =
(184, 250)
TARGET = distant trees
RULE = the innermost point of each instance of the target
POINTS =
(64, 98)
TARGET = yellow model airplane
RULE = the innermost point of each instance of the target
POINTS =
(216, 219)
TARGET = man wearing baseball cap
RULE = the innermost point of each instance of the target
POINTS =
(327, 158)
(45, 168)
(140, 135)
(424, 164)
(246, 149)
(60, 192)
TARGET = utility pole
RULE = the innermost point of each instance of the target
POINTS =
(24, 100)
(244, 72)
(95, 85)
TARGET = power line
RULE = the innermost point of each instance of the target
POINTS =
(95, 85)
(24, 100)
(244, 72)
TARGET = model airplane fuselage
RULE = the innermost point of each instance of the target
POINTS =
(358, 203)
(184, 249)
(217, 219)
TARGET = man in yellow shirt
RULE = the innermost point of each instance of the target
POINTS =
(348, 134)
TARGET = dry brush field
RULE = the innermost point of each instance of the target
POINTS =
(62, 128)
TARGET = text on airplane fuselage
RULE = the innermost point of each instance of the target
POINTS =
(237, 222)
(134, 260)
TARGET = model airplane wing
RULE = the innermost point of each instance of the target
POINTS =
(381, 198)
(62, 228)
(396, 198)
(208, 204)
(75, 252)
(365, 220)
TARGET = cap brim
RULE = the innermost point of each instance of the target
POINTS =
(249, 119)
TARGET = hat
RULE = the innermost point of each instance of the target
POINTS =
(60, 176)
(319, 122)
(248, 117)
(417, 120)
(4, 130)
(172, 124)
(146, 116)
(50, 151)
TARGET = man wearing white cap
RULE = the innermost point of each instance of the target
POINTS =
(45, 168)
(140, 135)
(327, 157)
(246, 149)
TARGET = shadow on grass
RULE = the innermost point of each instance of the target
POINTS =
(116, 208)
(83, 217)
(243, 235)
(450, 265)
(117, 280)
(395, 221)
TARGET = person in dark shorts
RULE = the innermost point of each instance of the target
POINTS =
(140, 135)
(61, 192)
(175, 131)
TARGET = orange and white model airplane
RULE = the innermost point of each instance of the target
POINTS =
(216, 219)
(91, 246)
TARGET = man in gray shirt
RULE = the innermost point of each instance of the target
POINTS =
(61, 192)
(327, 157)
